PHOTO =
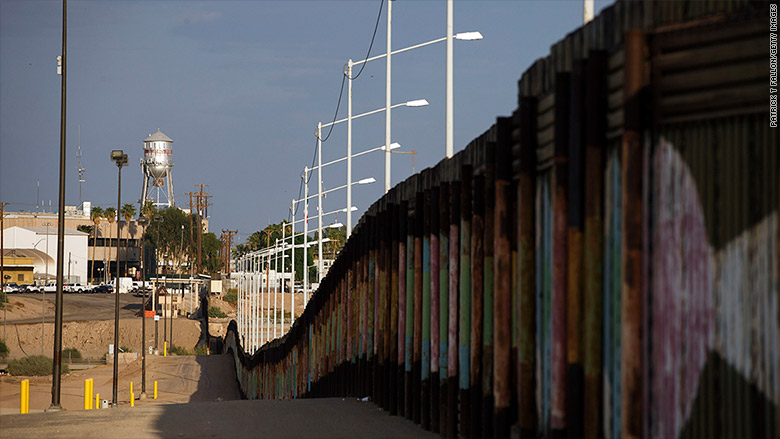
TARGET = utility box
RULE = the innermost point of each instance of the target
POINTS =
(104, 404)
(215, 286)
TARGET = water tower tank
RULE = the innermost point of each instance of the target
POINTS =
(157, 164)
(158, 154)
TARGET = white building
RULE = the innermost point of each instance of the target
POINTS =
(44, 240)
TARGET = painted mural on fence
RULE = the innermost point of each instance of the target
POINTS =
(713, 314)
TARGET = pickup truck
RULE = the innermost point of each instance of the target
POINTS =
(49, 288)
(74, 288)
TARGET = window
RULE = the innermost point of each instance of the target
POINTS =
(20, 278)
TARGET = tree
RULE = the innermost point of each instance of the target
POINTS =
(110, 215)
(96, 215)
(170, 246)
(127, 212)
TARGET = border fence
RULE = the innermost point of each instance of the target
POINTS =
(603, 263)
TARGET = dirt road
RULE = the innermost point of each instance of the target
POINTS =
(179, 380)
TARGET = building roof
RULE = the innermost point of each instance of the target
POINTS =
(53, 231)
(24, 253)
(158, 136)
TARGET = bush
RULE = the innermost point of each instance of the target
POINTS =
(201, 350)
(71, 354)
(124, 349)
(178, 350)
(230, 298)
(215, 312)
(3, 299)
(35, 365)
(3, 349)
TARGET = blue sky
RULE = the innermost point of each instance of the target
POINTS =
(240, 86)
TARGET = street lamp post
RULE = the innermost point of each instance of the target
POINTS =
(157, 220)
(120, 158)
(45, 283)
(143, 221)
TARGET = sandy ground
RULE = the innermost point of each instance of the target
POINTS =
(92, 338)
(179, 380)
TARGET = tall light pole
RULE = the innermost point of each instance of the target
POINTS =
(157, 220)
(45, 283)
(448, 118)
(120, 158)
(387, 95)
(143, 221)
(57, 363)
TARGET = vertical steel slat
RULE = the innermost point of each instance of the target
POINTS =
(502, 300)
(435, 291)
(425, 348)
(477, 314)
(526, 195)
(632, 294)
(444, 230)
(452, 318)
(401, 218)
(464, 306)
(418, 297)
(393, 363)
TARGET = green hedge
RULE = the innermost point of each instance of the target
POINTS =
(34, 365)
(230, 298)
(3, 349)
(215, 312)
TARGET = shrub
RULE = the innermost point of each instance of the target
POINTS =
(178, 350)
(215, 312)
(71, 354)
(3, 299)
(35, 365)
(3, 349)
(201, 350)
(230, 298)
(124, 349)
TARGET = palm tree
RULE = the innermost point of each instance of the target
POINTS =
(110, 215)
(95, 215)
(127, 212)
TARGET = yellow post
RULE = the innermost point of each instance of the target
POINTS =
(155, 390)
(131, 387)
(87, 396)
(91, 391)
(165, 349)
(25, 405)
(132, 399)
(97, 401)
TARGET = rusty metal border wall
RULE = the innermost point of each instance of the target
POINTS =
(603, 263)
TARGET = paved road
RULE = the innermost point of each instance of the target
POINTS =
(199, 398)
(80, 307)
(306, 418)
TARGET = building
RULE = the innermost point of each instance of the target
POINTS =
(95, 263)
(18, 267)
(40, 245)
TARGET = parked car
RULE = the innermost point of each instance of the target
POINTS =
(107, 289)
(11, 287)
(74, 288)
(28, 288)
(49, 288)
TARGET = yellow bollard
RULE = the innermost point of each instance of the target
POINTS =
(155, 390)
(97, 401)
(25, 406)
(87, 396)
(165, 349)
(132, 399)
(91, 391)
(131, 387)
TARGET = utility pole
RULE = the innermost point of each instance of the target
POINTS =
(227, 245)
(2, 268)
(202, 206)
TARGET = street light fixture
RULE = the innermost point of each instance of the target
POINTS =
(120, 158)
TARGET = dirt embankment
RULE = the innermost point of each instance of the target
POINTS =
(91, 338)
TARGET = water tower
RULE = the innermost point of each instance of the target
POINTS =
(156, 164)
